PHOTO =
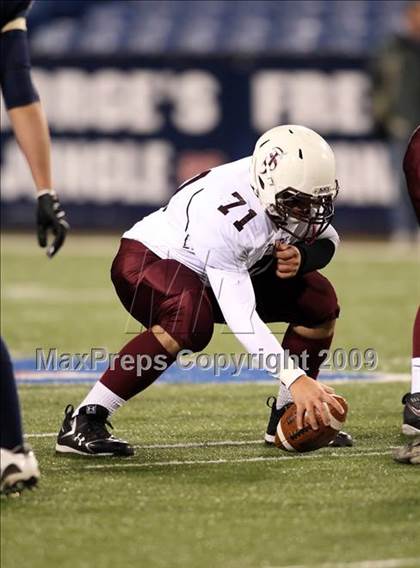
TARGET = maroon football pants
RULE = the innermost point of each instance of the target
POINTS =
(165, 292)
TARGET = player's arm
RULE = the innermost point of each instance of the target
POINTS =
(298, 259)
(31, 130)
(236, 297)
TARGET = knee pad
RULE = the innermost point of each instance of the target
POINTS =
(319, 300)
(15, 70)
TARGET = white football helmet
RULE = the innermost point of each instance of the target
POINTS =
(293, 175)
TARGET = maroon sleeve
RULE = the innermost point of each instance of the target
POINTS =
(411, 166)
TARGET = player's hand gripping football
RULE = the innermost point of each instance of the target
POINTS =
(309, 396)
(288, 260)
(51, 216)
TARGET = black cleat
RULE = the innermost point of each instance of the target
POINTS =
(276, 414)
(342, 439)
(411, 415)
(86, 434)
(19, 470)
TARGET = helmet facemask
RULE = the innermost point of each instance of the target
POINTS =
(314, 211)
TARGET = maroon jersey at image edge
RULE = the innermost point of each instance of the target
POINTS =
(411, 166)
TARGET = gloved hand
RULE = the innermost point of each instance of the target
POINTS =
(51, 216)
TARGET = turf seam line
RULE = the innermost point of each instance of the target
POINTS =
(200, 444)
(222, 461)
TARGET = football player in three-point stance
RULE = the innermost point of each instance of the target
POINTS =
(238, 244)
(19, 467)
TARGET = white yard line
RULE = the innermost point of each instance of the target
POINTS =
(202, 444)
(389, 563)
(42, 435)
(211, 443)
(258, 459)
(215, 443)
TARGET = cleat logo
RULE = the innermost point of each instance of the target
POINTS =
(79, 439)
(91, 409)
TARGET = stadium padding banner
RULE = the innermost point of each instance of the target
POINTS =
(127, 131)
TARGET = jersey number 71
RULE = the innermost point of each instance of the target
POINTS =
(240, 201)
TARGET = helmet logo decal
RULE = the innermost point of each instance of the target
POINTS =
(271, 160)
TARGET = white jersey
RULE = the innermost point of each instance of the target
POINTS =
(216, 226)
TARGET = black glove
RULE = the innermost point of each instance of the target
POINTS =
(50, 216)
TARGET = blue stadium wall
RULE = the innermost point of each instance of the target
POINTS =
(127, 131)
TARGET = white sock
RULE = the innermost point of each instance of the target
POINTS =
(415, 374)
(284, 396)
(100, 394)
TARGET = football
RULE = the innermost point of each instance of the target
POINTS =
(290, 439)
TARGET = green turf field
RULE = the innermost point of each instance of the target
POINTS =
(250, 506)
(167, 507)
